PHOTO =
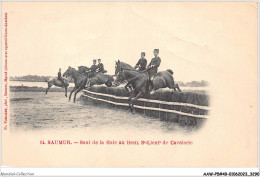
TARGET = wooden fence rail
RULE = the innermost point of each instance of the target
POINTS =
(151, 107)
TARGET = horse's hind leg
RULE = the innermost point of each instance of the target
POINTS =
(173, 86)
(75, 88)
(47, 89)
(177, 86)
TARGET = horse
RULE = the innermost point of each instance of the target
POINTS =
(81, 80)
(55, 81)
(139, 81)
(99, 77)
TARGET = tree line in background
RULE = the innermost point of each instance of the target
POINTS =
(35, 78)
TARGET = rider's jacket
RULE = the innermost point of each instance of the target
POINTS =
(141, 64)
(153, 65)
(93, 68)
(100, 67)
(59, 75)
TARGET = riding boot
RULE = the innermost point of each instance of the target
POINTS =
(151, 84)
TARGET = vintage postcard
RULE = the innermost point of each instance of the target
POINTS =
(129, 84)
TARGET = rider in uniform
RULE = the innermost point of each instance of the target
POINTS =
(153, 67)
(92, 70)
(60, 78)
(141, 64)
(100, 67)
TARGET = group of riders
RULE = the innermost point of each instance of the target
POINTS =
(151, 68)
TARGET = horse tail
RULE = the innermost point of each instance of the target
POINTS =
(170, 71)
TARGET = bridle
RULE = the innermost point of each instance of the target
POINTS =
(131, 79)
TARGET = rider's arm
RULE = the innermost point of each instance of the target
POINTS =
(101, 67)
(149, 65)
(145, 63)
(137, 64)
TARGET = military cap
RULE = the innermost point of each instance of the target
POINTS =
(99, 59)
(156, 50)
(94, 60)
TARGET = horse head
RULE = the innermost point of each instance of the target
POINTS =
(118, 67)
(120, 70)
(67, 72)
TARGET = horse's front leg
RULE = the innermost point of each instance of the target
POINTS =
(75, 88)
(130, 100)
(77, 91)
(66, 91)
(134, 100)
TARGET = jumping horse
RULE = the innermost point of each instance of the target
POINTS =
(80, 80)
(139, 80)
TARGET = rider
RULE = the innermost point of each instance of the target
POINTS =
(60, 78)
(92, 71)
(93, 68)
(100, 67)
(153, 67)
(141, 64)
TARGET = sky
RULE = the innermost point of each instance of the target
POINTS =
(191, 36)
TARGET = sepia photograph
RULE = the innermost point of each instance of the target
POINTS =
(129, 84)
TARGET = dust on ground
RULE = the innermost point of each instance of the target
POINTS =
(33, 111)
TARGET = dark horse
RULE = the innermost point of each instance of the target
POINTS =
(80, 80)
(55, 81)
(139, 79)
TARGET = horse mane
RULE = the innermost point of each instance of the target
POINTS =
(75, 70)
(126, 66)
(83, 67)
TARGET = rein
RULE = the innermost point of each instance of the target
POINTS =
(140, 72)
(77, 72)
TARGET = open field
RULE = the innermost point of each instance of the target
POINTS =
(33, 111)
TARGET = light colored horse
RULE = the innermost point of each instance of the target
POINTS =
(56, 82)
